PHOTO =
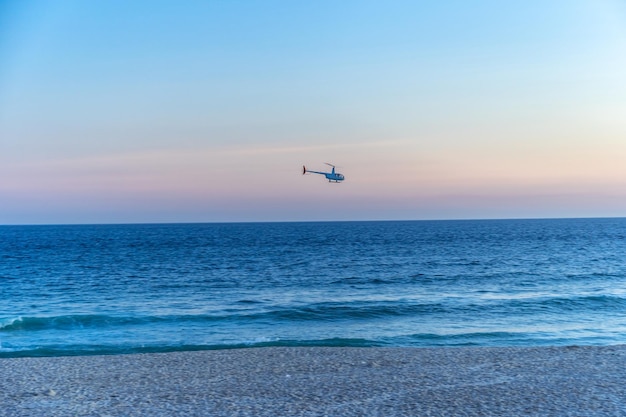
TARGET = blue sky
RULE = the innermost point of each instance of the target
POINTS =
(158, 111)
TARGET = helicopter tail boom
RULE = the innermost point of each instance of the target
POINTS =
(308, 171)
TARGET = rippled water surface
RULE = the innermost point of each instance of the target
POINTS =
(68, 290)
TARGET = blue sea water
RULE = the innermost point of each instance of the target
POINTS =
(109, 289)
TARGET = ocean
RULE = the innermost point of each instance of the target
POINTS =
(114, 289)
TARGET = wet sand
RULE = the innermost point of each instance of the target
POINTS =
(563, 381)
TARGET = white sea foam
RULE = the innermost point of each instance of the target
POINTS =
(8, 322)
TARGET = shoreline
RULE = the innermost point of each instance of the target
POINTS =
(316, 381)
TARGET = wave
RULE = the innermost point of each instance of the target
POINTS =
(325, 312)
(334, 311)
(329, 311)
(66, 322)
(95, 349)
(370, 310)
(564, 304)
(480, 338)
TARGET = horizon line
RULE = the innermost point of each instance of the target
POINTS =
(311, 221)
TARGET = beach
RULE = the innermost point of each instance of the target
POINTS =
(322, 381)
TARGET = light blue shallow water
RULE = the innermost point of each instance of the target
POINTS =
(77, 290)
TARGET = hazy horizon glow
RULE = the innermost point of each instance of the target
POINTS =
(117, 112)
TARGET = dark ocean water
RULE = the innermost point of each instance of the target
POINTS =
(78, 290)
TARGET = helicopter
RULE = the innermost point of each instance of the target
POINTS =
(331, 176)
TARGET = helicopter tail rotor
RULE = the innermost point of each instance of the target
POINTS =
(303, 170)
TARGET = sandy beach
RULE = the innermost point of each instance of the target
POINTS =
(563, 381)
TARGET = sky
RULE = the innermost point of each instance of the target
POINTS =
(205, 111)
